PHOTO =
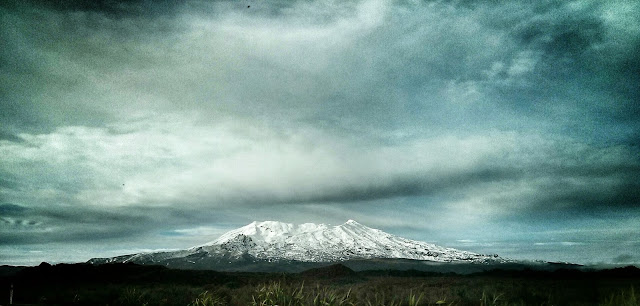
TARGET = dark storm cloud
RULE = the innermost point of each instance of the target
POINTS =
(401, 186)
(413, 186)
(584, 74)
(113, 7)
(586, 196)
(8, 209)
(55, 52)
(35, 225)
(395, 87)
(20, 225)
(577, 180)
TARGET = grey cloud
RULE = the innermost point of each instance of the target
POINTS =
(7, 182)
(624, 258)
(18, 222)
(321, 74)
(112, 8)
(579, 68)
(585, 197)
(11, 209)
(401, 186)
(42, 225)
(562, 36)
(326, 84)
(328, 169)
(4, 135)
(587, 188)
(597, 180)
(66, 235)
(30, 226)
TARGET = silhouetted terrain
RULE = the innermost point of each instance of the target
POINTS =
(131, 284)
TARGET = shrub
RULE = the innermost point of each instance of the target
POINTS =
(207, 299)
(275, 294)
(325, 297)
(132, 296)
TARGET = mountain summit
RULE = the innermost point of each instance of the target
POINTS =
(273, 241)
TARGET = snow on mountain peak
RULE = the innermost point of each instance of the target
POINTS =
(269, 231)
(321, 242)
(310, 242)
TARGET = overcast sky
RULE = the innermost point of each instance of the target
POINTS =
(509, 127)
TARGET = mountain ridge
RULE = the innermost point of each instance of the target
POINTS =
(279, 242)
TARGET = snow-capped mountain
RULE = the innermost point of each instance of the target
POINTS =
(272, 241)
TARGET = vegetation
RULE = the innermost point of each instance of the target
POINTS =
(623, 298)
(144, 285)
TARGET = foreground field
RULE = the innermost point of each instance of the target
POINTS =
(127, 284)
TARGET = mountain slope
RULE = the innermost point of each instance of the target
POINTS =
(272, 241)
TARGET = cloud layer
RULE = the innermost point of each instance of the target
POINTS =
(130, 121)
